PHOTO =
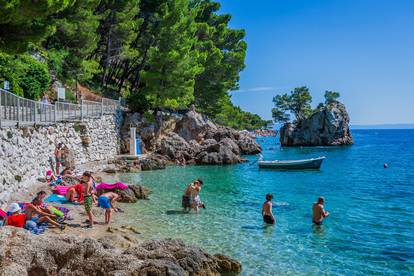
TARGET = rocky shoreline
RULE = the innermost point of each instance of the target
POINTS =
(190, 138)
(25, 254)
(117, 249)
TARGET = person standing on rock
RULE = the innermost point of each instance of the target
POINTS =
(86, 181)
(267, 211)
(190, 193)
(58, 157)
(318, 211)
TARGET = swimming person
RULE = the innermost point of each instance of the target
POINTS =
(318, 211)
(267, 212)
(190, 193)
(106, 201)
(86, 181)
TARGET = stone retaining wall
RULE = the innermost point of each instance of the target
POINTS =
(25, 152)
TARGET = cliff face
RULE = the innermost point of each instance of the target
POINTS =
(327, 127)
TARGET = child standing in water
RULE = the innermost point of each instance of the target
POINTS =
(267, 212)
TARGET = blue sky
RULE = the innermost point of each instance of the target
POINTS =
(362, 48)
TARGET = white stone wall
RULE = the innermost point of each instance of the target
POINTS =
(25, 152)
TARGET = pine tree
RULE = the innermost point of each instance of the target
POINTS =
(224, 50)
(118, 30)
(172, 65)
(24, 22)
(75, 40)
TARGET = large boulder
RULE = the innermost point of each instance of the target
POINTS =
(218, 153)
(194, 126)
(188, 139)
(174, 147)
(130, 195)
(22, 253)
(248, 145)
(327, 127)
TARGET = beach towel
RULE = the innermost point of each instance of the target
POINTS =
(107, 186)
(2, 214)
(61, 190)
(57, 199)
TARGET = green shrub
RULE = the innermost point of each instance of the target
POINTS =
(69, 96)
(27, 76)
(77, 127)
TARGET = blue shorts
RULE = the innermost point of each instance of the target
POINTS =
(103, 202)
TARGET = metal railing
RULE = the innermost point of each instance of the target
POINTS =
(17, 110)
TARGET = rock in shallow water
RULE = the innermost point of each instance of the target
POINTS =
(25, 254)
(327, 127)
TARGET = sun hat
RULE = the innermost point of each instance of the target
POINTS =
(14, 207)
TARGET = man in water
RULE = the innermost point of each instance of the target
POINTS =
(190, 193)
(267, 212)
(318, 211)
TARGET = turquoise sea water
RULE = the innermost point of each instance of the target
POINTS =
(370, 230)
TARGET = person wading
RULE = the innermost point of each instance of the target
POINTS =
(318, 211)
(267, 211)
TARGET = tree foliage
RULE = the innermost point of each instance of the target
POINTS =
(22, 22)
(331, 96)
(28, 77)
(160, 54)
(224, 52)
(74, 40)
(297, 102)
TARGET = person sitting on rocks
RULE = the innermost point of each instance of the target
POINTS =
(66, 172)
(75, 193)
(50, 178)
(106, 201)
(15, 218)
(37, 213)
